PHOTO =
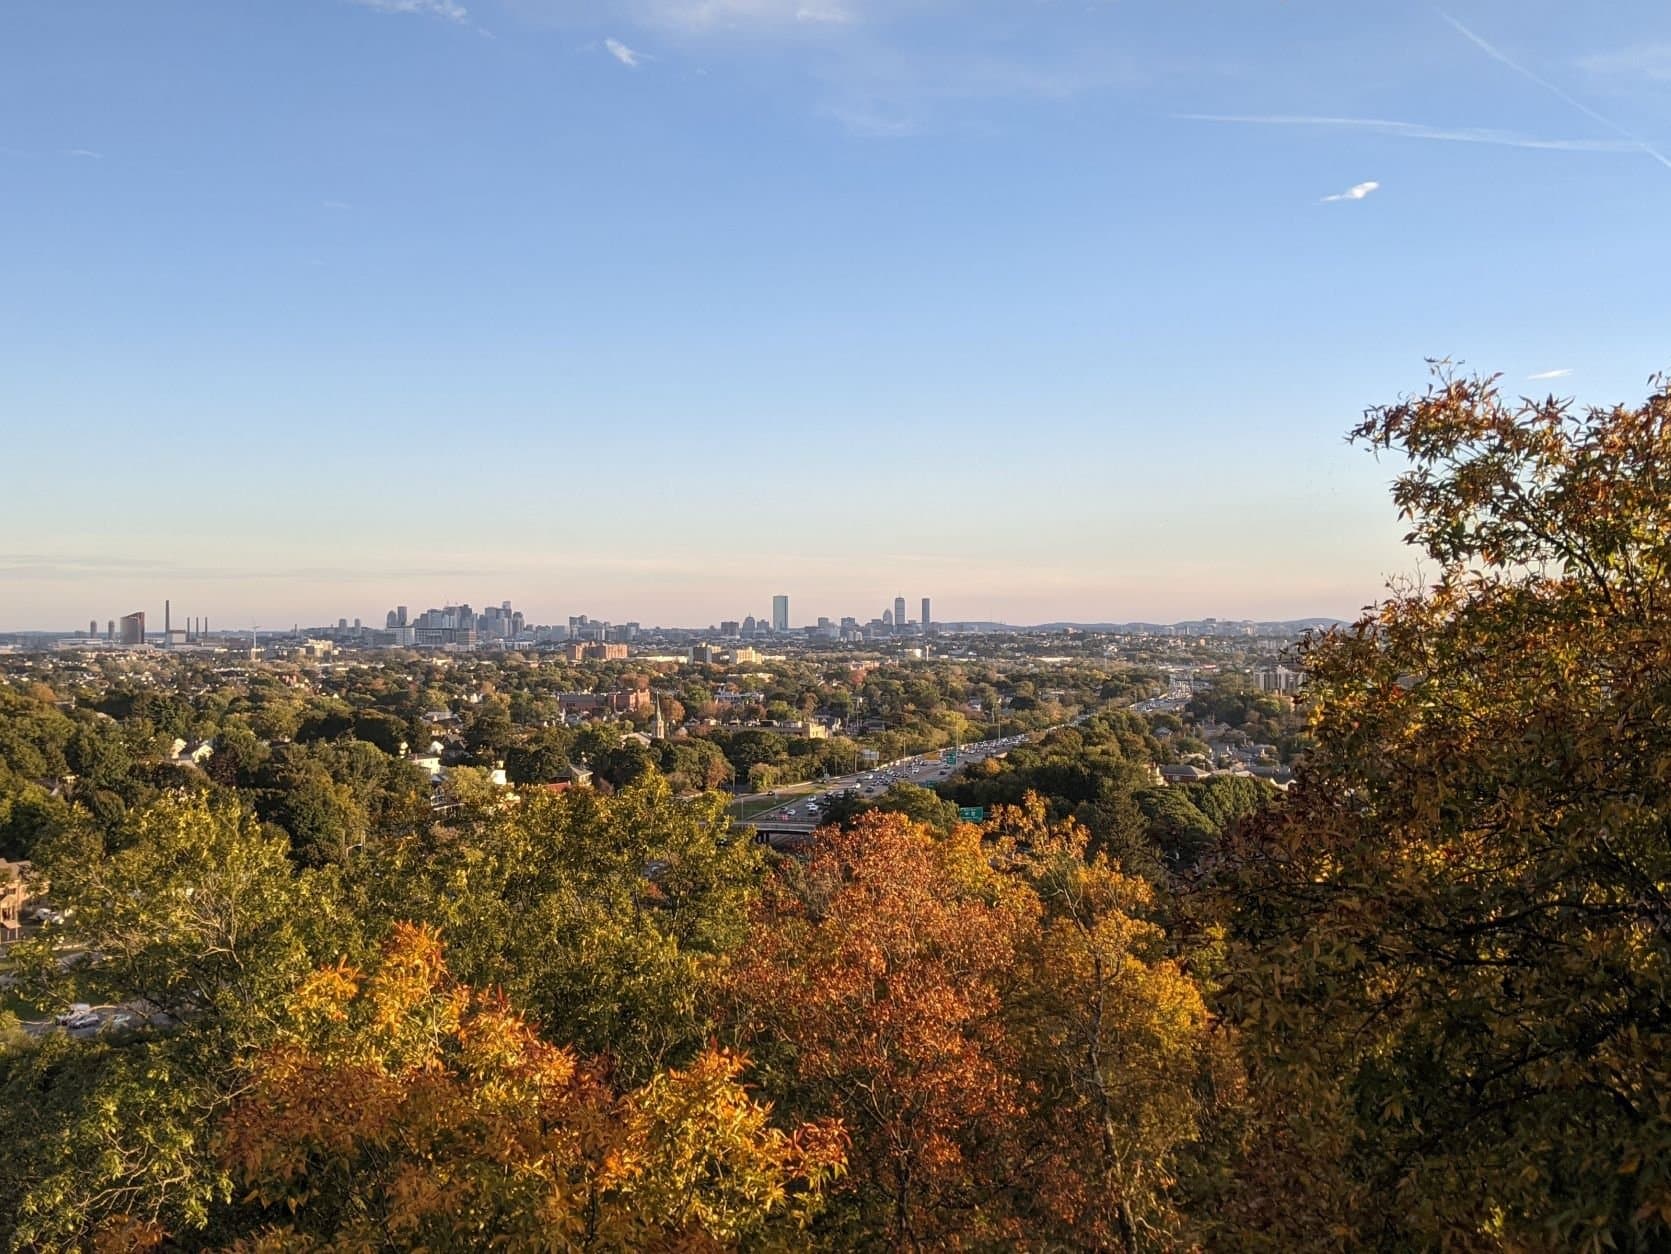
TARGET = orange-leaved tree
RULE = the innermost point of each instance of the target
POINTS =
(405, 1108)
(873, 989)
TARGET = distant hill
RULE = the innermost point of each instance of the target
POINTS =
(1291, 627)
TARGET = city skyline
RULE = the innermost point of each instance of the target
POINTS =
(156, 623)
(80, 599)
(1066, 315)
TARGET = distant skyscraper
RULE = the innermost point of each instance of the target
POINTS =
(167, 623)
(110, 629)
(133, 627)
(92, 626)
(780, 613)
(400, 616)
(899, 614)
(927, 619)
(887, 618)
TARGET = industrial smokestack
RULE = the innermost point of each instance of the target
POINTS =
(165, 621)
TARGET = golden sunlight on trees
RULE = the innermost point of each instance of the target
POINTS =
(404, 1107)
(1013, 1052)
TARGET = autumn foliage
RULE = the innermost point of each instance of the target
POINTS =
(1006, 1039)
(407, 1108)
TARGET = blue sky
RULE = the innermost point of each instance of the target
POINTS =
(652, 308)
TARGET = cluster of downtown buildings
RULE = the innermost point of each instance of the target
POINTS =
(893, 622)
(465, 627)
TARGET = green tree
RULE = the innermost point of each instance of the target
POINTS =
(541, 759)
(921, 805)
(198, 916)
(28, 817)
(603, 916)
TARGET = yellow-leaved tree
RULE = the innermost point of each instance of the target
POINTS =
(406, 1108)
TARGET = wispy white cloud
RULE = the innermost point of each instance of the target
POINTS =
(625, 55)
(449, 9)
(1355, 192)
(1551, 374)
(864, 121)
(1417, 130)
(1646, 61)
(1502, 58)
(864, 63)
(707, 14)
(878, 90)
(88, 153)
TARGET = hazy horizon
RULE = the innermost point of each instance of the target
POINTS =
(281, 619)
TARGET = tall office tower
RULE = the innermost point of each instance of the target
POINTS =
(167, 625)
(780, 613)
(390, 622)
(110, 629)
(400, 616)
(899, 614)
(887, 618)
(342, 624)
(356, 624)
(133, 627)
(926, 618)
(92, 626)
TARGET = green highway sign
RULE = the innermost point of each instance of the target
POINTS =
(971, 814)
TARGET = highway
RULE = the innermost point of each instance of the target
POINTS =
(801, 814)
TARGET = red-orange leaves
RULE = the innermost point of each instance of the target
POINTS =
(407, 1107)
(874, 991)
